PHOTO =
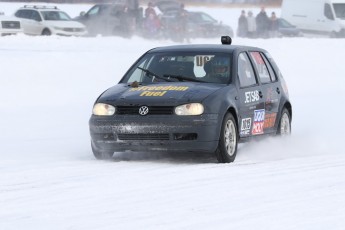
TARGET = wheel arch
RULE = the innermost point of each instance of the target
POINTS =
(46, 28)
(232, 110)
(288, 106)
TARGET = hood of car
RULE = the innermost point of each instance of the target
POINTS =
(167, 93)
(65, 24)
(8, 18)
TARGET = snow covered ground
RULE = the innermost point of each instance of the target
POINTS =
(50, 180)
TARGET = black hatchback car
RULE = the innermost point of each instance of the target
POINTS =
(201, 98)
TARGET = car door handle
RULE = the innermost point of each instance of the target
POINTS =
(278, 90)
(260, 94)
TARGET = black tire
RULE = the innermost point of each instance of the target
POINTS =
(101, 155)
(227, 146)
(46, 32)
(284, 128)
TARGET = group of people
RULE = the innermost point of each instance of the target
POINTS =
(152, 26)
(260, 26)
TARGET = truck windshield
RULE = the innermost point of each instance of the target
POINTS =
(339, 9)
(181, 66)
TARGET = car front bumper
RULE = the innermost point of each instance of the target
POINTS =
(161, 132)
(10, 31)
(69, 33)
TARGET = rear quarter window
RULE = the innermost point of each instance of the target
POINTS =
(261, 67)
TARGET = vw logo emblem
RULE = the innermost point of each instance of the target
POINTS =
(143, 110)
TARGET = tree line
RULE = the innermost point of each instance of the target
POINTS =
(252, 2)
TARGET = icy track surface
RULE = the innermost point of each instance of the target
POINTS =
(50, 180)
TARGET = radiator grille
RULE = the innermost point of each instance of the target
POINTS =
(157, 136)
(10, 24)
(153, 110)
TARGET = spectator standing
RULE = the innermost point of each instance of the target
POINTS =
(126, 21)
(150, 10)
(273, 29)
(182, 20)
(242, 25)
(262, 23)
(133, 13)
(151, 26)
(251, 25)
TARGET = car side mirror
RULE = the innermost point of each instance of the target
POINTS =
(82, 13)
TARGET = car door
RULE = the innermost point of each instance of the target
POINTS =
(251, 101)
(270, 89)
(92, 19)
(31, 21)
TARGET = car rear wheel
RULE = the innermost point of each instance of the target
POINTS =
(227, 147)
(284, 127)
(101, 155)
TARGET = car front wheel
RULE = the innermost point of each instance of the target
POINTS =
(227, 147)
(46, 32)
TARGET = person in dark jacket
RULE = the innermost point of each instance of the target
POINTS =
(273, 29)
(182, 19)
(242, 29)
(150, 10)
(262, 23)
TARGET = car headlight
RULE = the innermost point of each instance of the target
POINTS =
(189, 109)
(101, 109)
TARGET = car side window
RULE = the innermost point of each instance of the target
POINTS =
(245, 71)
(19, 14)
(35, 16)
(270, 69)
(23, 14)
(261, 67)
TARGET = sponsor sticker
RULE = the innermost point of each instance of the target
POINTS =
(246, 124)
(157, 91)
(251, 96)
(270, 120)
(259, 120)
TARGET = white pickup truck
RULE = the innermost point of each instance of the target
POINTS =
(9, 25)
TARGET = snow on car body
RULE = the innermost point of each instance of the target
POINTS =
(203, 98)
(46, 20)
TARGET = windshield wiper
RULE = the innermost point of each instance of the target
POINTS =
(153, 74)
(182, 78)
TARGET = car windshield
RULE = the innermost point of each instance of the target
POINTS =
(55, 16)
(339, 9)
(181, 66)
(201, 17)
(285, 24)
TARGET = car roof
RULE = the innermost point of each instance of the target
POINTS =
(40, 7)
(204, 48)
